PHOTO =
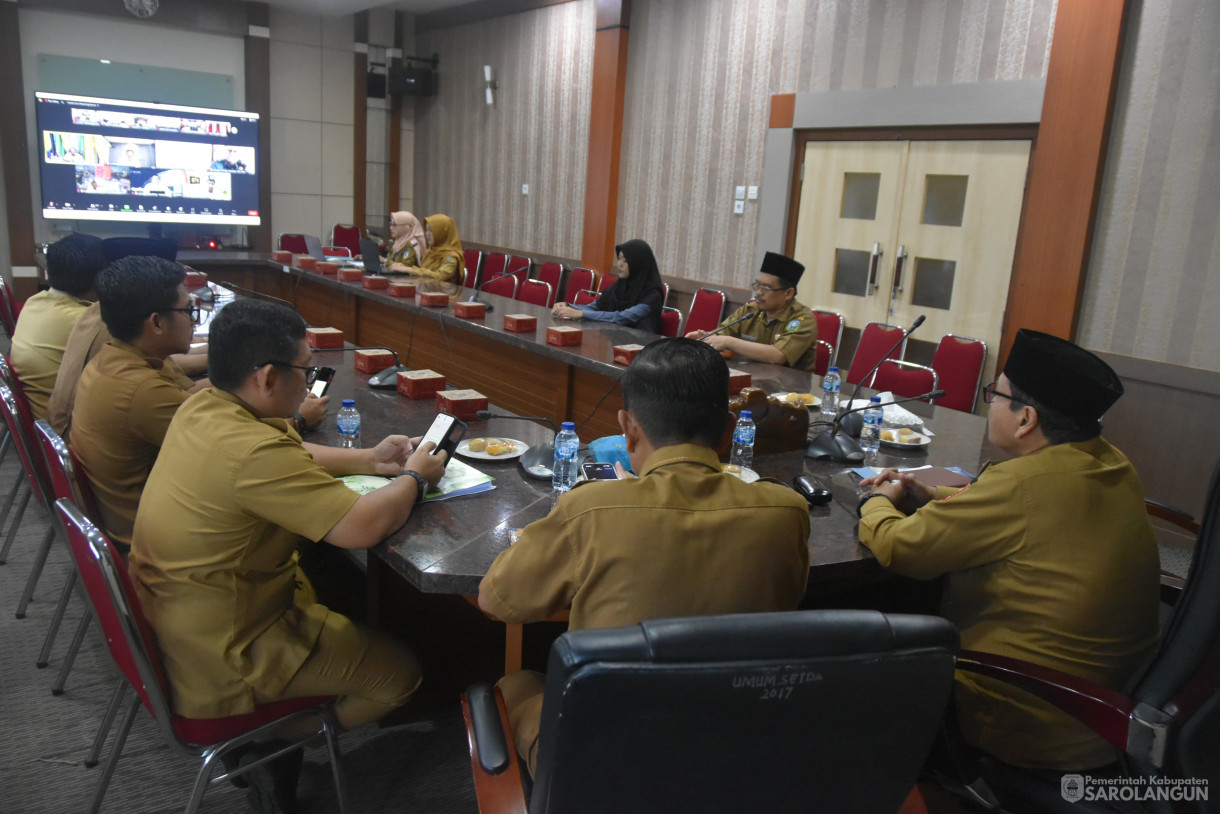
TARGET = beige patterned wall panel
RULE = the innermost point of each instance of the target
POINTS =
(701, 74)
(472, 160)
(1153, 287)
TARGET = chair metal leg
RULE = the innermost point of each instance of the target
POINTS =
(56, 620)
(70, 657)
(112, 760)
(44, 549)
(12, 530)
(336, 765)
(116, 700)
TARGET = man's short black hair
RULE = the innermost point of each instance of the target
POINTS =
(678, 391)
(1057, 427)
(131, 289)
(73, 263)
(248, 333)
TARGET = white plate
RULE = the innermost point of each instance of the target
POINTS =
(747, 475)
(463, 449)
(918, 441)
(817, 402)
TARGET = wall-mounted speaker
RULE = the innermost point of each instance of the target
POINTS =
(409, 81)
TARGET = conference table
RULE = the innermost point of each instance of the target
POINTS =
(423, 578)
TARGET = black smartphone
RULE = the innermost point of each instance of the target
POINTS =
(445, 432)
(321, 384)
(593, 470)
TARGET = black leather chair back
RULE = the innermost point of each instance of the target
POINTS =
(806, 711)
(116, 248)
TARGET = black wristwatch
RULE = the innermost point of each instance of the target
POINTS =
(421, 484)
(866, 499)
(302, 424)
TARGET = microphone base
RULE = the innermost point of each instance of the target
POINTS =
(536, 462)
(829, 446)
(387, 379)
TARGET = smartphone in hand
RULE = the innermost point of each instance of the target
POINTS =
(593, 470)
(445, 432)
(321, 384)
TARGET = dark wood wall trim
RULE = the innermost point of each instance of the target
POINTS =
(360, 120)
(1066, 169)
(605, 133)
(258, 100)
(394, 145)
(15, 151)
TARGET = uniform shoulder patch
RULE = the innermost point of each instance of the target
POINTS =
(793, 326)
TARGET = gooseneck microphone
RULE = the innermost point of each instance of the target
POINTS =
(474, 297)
(728, 325)
(382, 380)
(830, 445)
(258, 295)
(536, 461)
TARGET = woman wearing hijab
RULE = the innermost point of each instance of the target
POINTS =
(443, 261)
(410, 242)
(634, 299)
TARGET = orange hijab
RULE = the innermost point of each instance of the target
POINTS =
(446, 243)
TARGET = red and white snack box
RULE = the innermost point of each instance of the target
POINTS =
(282, 257)
(624, 354)
(738, 380)
(351, 275)
(326, 267)
(324, 337)
(195, 279)
(470, 310)
(420, 384)
(433, 299)
(564, 335)
(520, 323)
(376, 281)
(374, 360)
(461, 403)
(398, 289)
(306, 261)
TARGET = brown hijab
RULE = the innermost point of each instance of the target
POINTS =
(446, 243)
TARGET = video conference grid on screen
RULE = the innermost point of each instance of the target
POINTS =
(108, 159)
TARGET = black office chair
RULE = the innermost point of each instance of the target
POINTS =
(805, 711)
(1169, 725)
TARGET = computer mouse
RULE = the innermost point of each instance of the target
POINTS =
(814, 492)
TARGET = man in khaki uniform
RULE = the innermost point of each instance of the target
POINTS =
(1050, 555)
(683, 539)
(48, 316)
(214, 552)
(777, 329)
(128, 395)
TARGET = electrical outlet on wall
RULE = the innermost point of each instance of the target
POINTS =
(739, 207)
(525, 189)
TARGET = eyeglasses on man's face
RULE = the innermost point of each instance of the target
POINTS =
(192, 311)
(757, 286)
(990, 392)
(311, 373)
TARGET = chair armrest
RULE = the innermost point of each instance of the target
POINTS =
(1171, 514)
(1096, 706)
(493, 759)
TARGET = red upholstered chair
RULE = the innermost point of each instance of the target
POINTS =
(348, 236)
(579, 279)
(875, 340)
(8, 313)
(494, 264)
(535, 291)
(519, 266)
(293, 242)
(585, 297)
(132, 646)
(825, 352)
(706, 310)
(671, 321)
(505, 286)
(551, 272)
(474, 262)
(904, 378)
(336, 251)
(664, 294)
(960, 361)
(605, 281)
(830, 331)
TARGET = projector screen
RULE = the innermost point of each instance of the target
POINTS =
(138, 162)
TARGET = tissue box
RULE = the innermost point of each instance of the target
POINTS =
(520, 323)
(195, 279)
(463, 404)
(376, 281)
(738, 380)
(351, 275)
(564, 335)
(471, 310)
(433, 299)
(282, 257)
(420, 384)
(374, 361)
(402, 290)
(326, 267)
(324, 337)
(306, 262)
(624, 354)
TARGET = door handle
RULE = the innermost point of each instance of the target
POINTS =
(873, 261)
(898, 259)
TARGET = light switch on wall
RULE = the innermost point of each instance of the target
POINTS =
(525, 189)
(740, 194)
(752, 193)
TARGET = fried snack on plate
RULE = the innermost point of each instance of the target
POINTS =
(477, 444)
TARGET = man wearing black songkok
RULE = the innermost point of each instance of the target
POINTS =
(779, 329)
(1050, 555)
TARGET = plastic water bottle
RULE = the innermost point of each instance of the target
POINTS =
(743, 441)
(348, 421)
(831, 383)
(567, 449)
(870, 430)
